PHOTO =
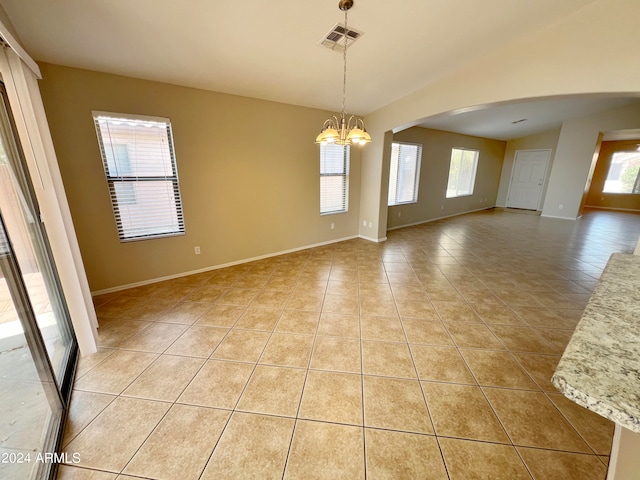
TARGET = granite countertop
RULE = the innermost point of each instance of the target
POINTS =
(600, 368)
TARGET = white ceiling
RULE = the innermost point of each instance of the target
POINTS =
(266, 50)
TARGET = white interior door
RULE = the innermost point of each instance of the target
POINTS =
(527, 179)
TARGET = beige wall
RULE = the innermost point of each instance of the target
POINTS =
(248, 169)
(596, 197)
(559, 59)
(543, 141)
(434, 174)
(575, 158)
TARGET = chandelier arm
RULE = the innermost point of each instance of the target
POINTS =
(328, 123)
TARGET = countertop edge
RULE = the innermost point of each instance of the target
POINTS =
(600, 367)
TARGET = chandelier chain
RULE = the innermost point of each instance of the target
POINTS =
(344, 79)
(342, 131)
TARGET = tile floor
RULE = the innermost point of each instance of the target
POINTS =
(426, 356)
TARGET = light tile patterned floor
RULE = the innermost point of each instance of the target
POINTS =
(426, 356)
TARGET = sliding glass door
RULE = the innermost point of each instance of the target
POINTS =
(38, 349)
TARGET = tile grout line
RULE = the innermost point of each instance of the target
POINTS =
(233, 409)
(480, 388)
(424, 397)
(364, 430)
(295, 420)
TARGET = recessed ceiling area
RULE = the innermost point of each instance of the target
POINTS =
(505, 121)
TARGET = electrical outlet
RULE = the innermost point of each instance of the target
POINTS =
(333, 225)
(561, 206)
(197, 250)
(370, 224)
(399, 214)
(364, 223)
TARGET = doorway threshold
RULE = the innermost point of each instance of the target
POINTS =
(518, 210)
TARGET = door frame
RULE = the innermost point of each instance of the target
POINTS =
(544, 178)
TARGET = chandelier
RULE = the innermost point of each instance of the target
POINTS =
(343, 131)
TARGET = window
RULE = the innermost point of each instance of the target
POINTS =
(462, 172)
(334, 178)
(404, 173)
(140, 165)
(624, 173)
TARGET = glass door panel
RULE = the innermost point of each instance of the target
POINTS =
(23, 226)
(30, 405)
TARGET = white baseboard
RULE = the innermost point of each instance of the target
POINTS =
(614, 209)
(224, 265)
(440, 218)
(559, 218)
(376, 240)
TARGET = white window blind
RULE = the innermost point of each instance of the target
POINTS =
(140, 165)
(334, 178)
(404, 173)
(462, 172)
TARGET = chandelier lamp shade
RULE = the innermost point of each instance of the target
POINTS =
(340, 130)
(343, 132)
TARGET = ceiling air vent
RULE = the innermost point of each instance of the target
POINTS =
(334, 40)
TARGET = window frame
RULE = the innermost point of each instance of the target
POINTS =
(393, 186)
(344, 175)
(130, 178)
(635, 189)
(474, 173)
